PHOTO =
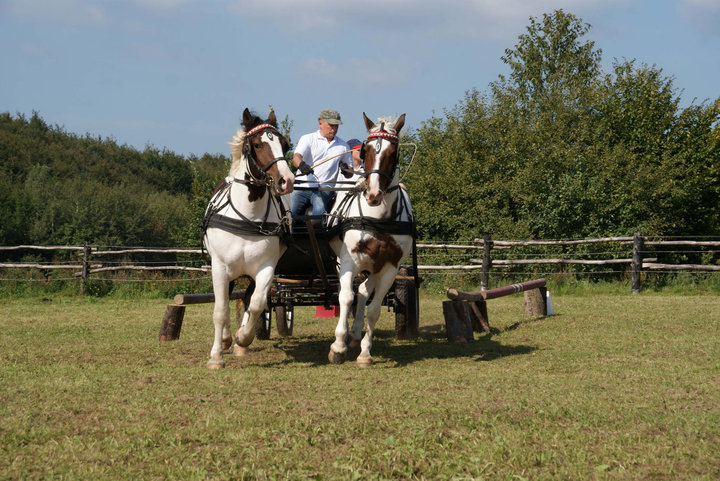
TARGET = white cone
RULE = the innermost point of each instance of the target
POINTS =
(549, 311)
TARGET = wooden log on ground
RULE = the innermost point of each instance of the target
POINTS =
(495, 293)
(479, 319)
(535, 302)
(171, 323)
(186, 299)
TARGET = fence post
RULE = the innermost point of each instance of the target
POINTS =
(85, 267)
(486, 263)
(636, 265)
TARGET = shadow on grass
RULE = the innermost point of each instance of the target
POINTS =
(431, 344)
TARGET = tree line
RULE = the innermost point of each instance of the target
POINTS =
(555, 149)
(559, 149)
(60, 188)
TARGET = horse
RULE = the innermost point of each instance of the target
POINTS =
(245, 227)
(375, 231)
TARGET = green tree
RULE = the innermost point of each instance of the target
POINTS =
(560, 149)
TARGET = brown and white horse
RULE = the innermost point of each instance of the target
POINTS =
(244, 225)
(376, 229)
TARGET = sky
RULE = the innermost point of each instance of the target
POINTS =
(177, 74)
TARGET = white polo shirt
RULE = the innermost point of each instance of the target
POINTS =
(314, 148)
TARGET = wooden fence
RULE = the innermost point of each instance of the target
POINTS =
(641, 255)
(483, 255)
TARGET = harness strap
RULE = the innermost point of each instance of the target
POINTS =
(243, 225)
(380, 226)
(238, 226)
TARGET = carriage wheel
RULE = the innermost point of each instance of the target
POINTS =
(262, 330)
(284, 320)
(407, 309)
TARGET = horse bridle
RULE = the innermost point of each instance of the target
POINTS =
(266, 179)
(393, 139)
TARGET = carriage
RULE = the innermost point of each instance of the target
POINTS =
(306, 275)
(351, 258)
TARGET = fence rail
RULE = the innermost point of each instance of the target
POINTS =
(639, 255)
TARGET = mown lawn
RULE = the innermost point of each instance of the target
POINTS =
(612, 387)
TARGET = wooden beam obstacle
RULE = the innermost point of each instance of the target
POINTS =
(466, 312)
(174, 313)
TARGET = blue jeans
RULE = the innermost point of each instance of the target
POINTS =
(300, 200)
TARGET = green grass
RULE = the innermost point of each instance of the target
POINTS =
(612, 387)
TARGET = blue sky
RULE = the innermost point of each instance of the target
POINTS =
(177, 74)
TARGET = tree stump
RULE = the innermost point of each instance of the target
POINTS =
(458, 321)
(171, 323)
(535, 302)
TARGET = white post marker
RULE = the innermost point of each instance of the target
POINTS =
(549, 311)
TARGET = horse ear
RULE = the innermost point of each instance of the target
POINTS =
(369, 124)
(272, 118)
(247, 118)
(399, 124)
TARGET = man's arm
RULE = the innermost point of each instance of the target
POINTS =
(297, 159)
(298, 162)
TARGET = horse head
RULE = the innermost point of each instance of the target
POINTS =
(265, 149)
(380, 154)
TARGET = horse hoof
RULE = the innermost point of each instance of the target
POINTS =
(227, 343)
(243, 341)
(211, 364)
(364, 361)
(354, 343)
(239, 351)
(336, 358)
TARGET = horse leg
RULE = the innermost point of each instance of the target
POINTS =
(221, 317)
(338, 349)
(245, 335)
(239, 351)
(384, 282)
(363, 295)
(227, 340)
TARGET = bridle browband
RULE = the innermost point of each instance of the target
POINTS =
(266, 180)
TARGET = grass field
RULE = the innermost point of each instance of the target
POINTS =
(612, 387)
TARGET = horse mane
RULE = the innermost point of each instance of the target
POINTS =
(389, 123)
(236, 150)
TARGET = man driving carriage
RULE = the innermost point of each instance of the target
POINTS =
(312, 149)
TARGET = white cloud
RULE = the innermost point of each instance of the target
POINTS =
(374, 73)
(498, 19)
